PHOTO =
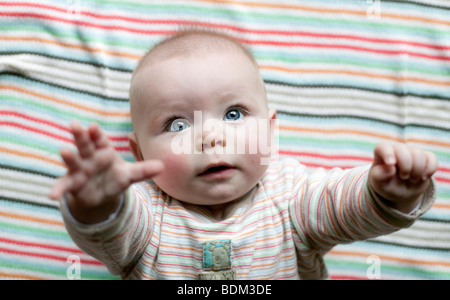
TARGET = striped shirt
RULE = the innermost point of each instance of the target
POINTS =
(295, 217)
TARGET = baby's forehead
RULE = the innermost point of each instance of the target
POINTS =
(196, 47)
(194, 44)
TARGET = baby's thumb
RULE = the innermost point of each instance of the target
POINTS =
(381, 173)
(61, 186)
(144, 170)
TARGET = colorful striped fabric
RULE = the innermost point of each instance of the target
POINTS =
(343, 75)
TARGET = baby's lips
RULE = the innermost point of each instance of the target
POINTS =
(215, 167)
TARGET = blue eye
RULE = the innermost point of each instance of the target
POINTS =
(233, 115)
(178, 125)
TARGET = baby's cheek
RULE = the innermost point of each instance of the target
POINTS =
(175, 169)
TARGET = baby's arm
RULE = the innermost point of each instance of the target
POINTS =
(97, 175)
(400, 174)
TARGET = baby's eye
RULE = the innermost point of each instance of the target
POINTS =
(178, 125)
(233, 115)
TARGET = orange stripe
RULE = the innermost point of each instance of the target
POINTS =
(20, 276)
(324, 10)
(439, 205)
(67, 45)
(31, 155)
(354, 73)
(391, 258)
(366, 133)
(60, 101)
(28, 218)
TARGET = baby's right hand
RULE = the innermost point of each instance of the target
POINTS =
(97, 175)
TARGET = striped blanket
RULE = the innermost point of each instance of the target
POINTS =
(343, 76)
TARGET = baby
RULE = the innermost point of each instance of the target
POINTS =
(200, 202)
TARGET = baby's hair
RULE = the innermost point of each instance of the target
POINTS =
(189, 42)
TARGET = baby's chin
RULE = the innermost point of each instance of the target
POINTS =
(210, 202)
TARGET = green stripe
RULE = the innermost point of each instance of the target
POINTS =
(31, 230)
(22, 140)
(396, 67)
(443, 195)
(341, 143)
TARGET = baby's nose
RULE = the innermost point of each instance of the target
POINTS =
(213, 134)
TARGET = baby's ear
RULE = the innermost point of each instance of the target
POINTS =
(272, 118)
(272, 114)
(134, 146)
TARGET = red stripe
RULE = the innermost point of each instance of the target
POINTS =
(446, 170)
(52, 124)
(32, 129)
(442, 179)
(40, 245)
(87, 24)
(27, 4)
(285, 44)
(317, 155)
(61, 138)
(235, 28)
(346, 47)
(34, 119)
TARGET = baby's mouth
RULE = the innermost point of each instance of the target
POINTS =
(217, 170)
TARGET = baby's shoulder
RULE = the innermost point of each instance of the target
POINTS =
(284, 166)
(284, 172)
(147, 190)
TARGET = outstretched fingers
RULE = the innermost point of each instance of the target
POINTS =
(96, 170)
(83, 141)
(406, 162)
(384, 164)
(87, 142)
(73, 178)
(99, 139)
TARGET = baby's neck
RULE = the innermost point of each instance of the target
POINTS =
(220, 212)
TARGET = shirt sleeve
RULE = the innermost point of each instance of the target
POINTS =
(119, 241)
(338, 207)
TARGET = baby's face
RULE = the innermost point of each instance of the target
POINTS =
(207, 120)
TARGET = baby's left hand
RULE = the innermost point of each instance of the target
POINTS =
(401, 174)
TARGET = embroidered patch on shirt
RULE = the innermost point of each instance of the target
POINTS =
(219, 275)
(217, 255)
